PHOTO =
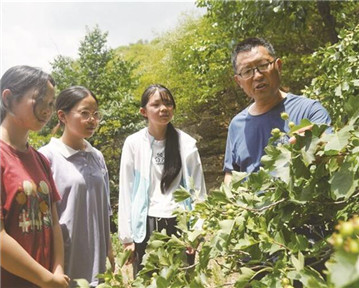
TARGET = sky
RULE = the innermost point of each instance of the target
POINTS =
(35, 32)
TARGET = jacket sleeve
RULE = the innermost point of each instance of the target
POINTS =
(125, 191)
(195, 171)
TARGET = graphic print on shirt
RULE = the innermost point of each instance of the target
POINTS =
(160, 158)
(34, 203)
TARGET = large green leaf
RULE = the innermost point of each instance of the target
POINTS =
(343, 269)
(342, 182)
(337, 141)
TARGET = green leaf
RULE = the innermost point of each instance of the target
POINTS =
(123, 257)
(343, 269)
(154, 244)
(356, 82)
(226, 226)
(82, 283)
(162, 282)
(298, 263)
(337, 141)
(244, 276)
(194, 235)
(303, 123)
(219, 196)
(104, 285)
(342, 182)
(338, 90)
(181, 195)
(309, 277)
(282, 165)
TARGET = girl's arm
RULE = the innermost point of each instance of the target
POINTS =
(58, 264)
(17, 261)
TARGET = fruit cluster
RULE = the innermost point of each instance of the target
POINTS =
(347, 236)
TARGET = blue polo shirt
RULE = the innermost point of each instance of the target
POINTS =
(248, 135)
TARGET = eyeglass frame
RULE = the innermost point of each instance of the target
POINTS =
(90, 115)
(257, 68)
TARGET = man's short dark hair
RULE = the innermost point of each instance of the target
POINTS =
(247, 45)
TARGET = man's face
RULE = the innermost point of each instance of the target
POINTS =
(263, 84)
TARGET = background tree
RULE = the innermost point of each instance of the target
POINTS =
(112, 80)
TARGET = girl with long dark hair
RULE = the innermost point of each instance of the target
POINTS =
(155, 162)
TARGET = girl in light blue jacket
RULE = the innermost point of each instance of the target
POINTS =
(155, 162)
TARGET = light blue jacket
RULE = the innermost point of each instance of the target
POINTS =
(135, 171)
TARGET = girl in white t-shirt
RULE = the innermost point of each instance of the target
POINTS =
(155, 162)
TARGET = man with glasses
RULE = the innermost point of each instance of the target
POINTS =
(257, 71)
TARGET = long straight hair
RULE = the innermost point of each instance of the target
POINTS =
(173, 163)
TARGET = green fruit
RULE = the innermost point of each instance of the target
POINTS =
(285, 281)
(291, 124)
(154, 274)
(275, 131)
(337, 240)
(284, 116)
(228, 206)
(354, 246)
(356, 225)
(346, 229)
(230, 211)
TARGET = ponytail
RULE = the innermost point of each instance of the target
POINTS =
(173, 161)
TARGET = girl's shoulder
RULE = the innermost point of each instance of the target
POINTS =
(45, 150)
(186, 139)
(136, 137)
(50, 148)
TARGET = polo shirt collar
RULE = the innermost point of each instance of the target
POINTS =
(67, 151)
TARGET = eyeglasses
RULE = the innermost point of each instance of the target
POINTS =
(248, 73)
(86, 115)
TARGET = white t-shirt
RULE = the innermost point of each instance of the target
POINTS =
(161, 204)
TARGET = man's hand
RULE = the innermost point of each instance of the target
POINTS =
(301, 131)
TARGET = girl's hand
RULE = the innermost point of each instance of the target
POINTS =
(131, 247)
(58, 281)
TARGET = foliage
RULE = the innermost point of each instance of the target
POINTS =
(337, 85)
(343, 264)
(267, 226)
(295, 28)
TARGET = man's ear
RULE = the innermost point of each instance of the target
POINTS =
(238, 80)
(143, 112)
(279, 65)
